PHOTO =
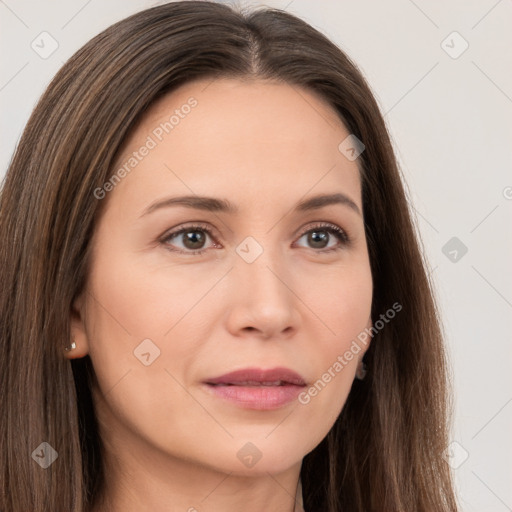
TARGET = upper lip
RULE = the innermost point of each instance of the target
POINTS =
(276, 376)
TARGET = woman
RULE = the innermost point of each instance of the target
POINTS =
(213, 297)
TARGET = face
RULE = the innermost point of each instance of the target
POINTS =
(183, 292)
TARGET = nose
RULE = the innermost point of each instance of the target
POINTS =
(262, 298)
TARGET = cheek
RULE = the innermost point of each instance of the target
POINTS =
(134, 323)
(141, 311)
(341, 299)
(122, 315)
(343, 308)
(138, 301)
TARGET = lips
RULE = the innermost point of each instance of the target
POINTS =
(257, 389)
(258, 377)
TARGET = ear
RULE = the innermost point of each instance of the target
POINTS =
(361, 367)
(78, 330)
(369, 326)
(366, 345)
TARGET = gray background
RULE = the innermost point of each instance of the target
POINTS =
(449, 114)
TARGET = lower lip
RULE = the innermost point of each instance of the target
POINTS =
(257, 397)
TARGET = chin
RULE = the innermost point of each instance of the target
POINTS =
(249, 456)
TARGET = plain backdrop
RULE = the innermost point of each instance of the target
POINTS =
(442, 74)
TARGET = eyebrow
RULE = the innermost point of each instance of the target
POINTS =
(213, 204)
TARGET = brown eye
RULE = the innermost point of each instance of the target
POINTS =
(189, 240)
(193, 239)
(320, 236)
(318, 239)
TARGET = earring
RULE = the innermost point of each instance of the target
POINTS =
(361, 371)
(72, 346)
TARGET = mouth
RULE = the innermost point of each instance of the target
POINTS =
(259, 377)
(258, 389)
(252, 383)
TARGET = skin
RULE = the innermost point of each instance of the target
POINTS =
(170, 445)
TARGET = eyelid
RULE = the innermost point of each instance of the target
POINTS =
(344, 238)
(327, 226)
(189, 226)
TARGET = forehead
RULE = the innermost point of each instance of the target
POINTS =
(227, 135)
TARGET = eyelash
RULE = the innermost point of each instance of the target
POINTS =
(345, 239)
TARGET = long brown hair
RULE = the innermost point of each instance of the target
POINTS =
(385, 450)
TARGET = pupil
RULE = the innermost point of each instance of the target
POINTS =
(319, 237)
(196, 238)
